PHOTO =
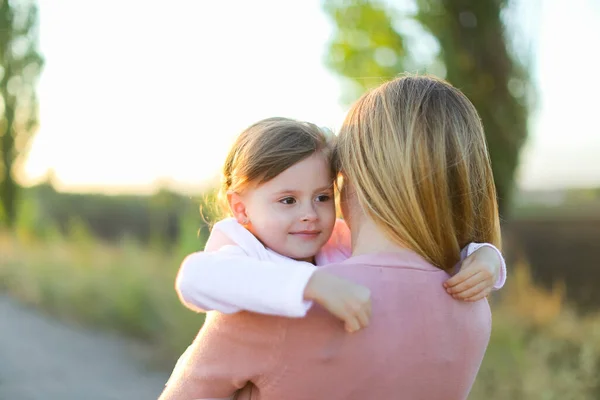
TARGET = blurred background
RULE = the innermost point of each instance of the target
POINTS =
(115, 117)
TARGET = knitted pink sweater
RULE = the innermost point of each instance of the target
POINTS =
(421, 344)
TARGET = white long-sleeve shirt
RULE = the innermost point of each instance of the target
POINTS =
(237, 272)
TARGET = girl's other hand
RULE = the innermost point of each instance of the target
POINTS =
(346, 300)
(477, 276)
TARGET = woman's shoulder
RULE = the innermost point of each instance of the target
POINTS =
(338, 247)
(401, 259)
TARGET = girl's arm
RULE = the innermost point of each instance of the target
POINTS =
(229, 280)
(236, 272)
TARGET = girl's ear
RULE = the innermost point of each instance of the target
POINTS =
(237, 207)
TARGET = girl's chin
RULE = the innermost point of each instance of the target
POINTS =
(308, 257)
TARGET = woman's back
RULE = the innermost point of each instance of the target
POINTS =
(421, 343)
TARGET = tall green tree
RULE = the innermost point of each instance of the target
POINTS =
(372, 43)
(20, 66)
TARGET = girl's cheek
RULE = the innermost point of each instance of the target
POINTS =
(329, 206)
(278, 218)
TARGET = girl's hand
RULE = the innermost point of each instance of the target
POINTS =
(346, 300)
(476, 277)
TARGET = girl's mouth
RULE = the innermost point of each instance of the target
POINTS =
(306, 234)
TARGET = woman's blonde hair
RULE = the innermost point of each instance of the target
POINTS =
(415, 152)
(266, 149)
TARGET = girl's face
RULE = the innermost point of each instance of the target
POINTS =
(294, 213)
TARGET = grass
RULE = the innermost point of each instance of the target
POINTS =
(540, 347)
(124, 288)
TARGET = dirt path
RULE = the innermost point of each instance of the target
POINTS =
(41, 358)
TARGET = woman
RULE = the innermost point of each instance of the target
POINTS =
(417, 187)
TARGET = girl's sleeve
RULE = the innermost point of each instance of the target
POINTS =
(233, 275)
(473, 247)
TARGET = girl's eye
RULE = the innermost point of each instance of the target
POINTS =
(288, 200)
(323, 198)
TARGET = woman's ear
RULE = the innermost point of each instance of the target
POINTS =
(237, 207)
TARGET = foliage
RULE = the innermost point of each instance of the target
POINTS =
(125, 287)
(20, 66)
(157, 219)
(374, 42)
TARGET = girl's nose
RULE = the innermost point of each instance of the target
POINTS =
(309, 215)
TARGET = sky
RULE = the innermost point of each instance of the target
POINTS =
(135, 94)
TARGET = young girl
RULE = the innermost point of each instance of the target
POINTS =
(278, 183)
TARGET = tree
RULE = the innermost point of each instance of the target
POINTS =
(371, 45)
(20, 66)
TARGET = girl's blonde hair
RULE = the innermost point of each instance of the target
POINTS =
(415, 152)
(266, 149)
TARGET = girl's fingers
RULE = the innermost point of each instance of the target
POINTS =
(358, 317)
(467, 284)
(478, 288)
(352, 325)
(460, 277)
(479, 296)
(363, 318)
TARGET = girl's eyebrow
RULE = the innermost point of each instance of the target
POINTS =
(294, 191)
(286, 191)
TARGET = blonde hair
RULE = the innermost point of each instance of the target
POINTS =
(266, 149)
(415, 152)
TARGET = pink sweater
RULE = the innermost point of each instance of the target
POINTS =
(421, 344)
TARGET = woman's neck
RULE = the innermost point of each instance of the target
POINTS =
(368, 238)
